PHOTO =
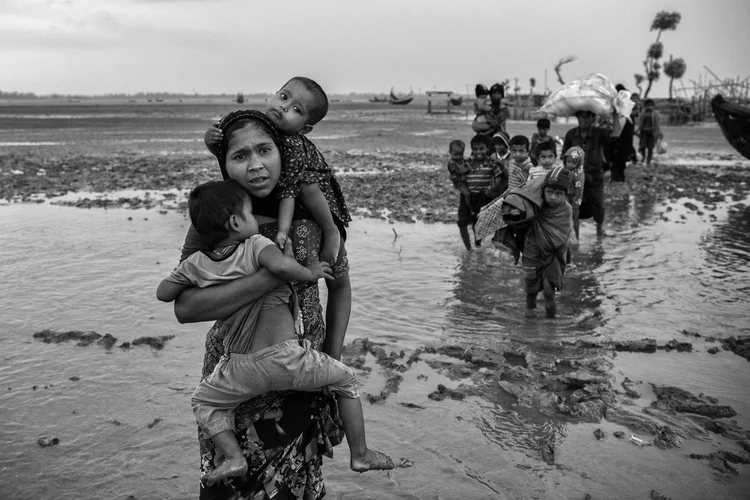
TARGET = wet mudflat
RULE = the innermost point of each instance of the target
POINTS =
(480, 399)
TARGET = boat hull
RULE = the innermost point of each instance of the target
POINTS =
(734, 121)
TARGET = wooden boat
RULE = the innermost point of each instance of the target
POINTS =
(456, 101)
(400, 100)
(734, 121)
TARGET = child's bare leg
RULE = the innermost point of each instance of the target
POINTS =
(314, 200)
(549, 299)
(530, 301)
(363, 458)
(233, 462)
(464, 190)
(464, 230)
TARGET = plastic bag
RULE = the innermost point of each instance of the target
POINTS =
(593, 93)
(662, 147)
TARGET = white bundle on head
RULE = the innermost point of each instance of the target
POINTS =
(594, 93)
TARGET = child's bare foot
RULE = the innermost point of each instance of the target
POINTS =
(372, 460)
(235, 466)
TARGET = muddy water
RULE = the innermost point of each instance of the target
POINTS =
(125, 425)
(103, 279)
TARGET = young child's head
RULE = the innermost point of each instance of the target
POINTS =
(456, 150)
(480, 147)
(219, 209)
(297, 106)
(481, 91)
(573, 158)
(546, 153)
(519, 148)
(500, 144)
(542, 127)
(649, 103)
(556, 185)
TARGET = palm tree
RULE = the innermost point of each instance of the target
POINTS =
(674, 69)
(662, 21)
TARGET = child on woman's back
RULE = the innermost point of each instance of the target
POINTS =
(295, 109)
(221, 212)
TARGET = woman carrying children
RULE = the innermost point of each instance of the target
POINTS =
(284, 466)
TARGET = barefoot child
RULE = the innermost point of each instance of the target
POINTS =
(221, 212)
(545, 248)
(295, 109)
(458, 167)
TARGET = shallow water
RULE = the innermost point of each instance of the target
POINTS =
(413, 285)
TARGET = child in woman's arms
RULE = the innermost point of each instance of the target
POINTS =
(221, 212)
(295, 109)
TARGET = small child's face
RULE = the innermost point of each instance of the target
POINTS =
(248, 226)
(457, 155)
(289, 109)
(519, 153)
(546, 158)
(501, 149)
(554, 195)
(479, 151)
(542, 131)
(570, 163)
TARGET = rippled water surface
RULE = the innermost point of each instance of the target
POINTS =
(413, 285)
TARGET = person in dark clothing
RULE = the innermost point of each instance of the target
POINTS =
(593, 140)
(622, 149)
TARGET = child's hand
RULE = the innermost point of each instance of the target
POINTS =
(320, 270)
(331, 247)
(281, 240)
(213, 138)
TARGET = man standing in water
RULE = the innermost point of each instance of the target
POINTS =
(592, 140)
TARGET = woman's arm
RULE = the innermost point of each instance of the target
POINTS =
(217, 302)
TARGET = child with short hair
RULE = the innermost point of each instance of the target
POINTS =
(545, 248)
(519, 164)
(649, 128)
(458, 168)
(221, 212)
(547, 157)
(483, 183)
(299, 105)
(573, 161)
(539, 137)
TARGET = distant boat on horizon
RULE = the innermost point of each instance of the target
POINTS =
(401, 100)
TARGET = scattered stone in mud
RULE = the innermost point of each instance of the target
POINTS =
(124, 345)
(547, 449)
(619, 434)
(740, 346)
(674, 345)
(656, 495)
(391, 386)
(107, 341)
(683, 401)
(155, 342)
(691, 334)
(630, 388)
(152, 424)
(358, 363)
(667, 438)
(443, 392)
(412, 406)
(713, 350)
(53, 337)
(404, 462)
(644, 345)
(722, 465)
(599, 434)
(46, 441)
(727, 428)
(116, 422)
(745, 444)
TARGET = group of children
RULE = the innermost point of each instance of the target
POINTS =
(222, 214)
(530, 169)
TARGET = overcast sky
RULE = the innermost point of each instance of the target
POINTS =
(226, 46)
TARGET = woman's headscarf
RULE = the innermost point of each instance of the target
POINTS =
(232, 121)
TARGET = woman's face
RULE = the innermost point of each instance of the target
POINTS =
(253, 159)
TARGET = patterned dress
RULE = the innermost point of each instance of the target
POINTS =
(304, 164)
(282, 467)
